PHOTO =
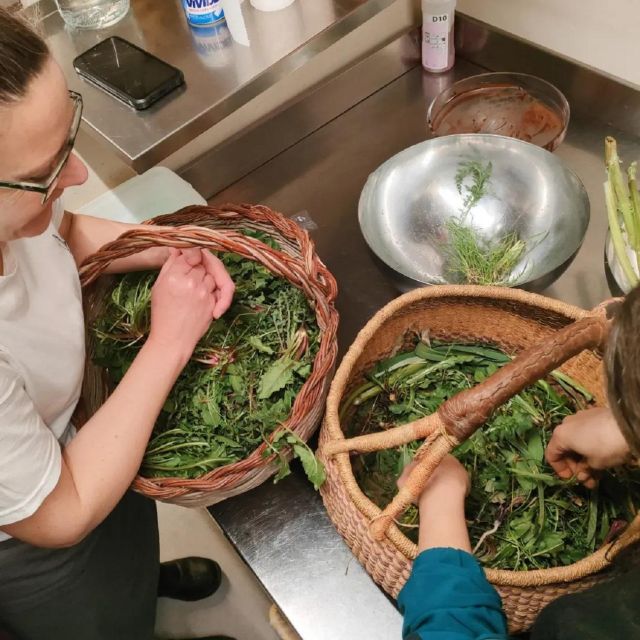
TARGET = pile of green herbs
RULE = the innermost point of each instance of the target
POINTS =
(470, 258)
(241, 381)
(520, 514)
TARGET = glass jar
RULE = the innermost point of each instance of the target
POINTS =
(92, 14)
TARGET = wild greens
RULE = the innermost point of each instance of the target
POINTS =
(470, 258)
(473, 261)
(520, 514)
(472, 182)
(241, 382)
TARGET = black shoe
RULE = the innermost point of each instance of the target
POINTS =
(189, 579)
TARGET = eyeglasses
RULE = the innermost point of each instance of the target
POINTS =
(47, 186)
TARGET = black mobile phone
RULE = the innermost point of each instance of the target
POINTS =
(128, 72)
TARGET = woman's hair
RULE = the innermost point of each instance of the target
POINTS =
(23, 54)
(622, 362)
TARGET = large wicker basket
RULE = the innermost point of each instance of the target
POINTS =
(297, 261)
(545, 333)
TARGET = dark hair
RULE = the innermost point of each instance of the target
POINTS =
(23, 54)
(622, 362)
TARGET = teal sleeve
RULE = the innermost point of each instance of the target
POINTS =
(448, 597)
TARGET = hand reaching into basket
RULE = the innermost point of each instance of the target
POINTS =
(224, 286)
(184, 300)
(585, 444)
(448, 594)
(441, 506)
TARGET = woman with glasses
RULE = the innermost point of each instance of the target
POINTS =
(78, 551)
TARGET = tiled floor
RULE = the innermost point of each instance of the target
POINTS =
(240, 608)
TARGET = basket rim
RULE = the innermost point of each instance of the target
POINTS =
(320, 283)
(500, 577)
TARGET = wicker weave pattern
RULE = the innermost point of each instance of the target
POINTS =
(512, 319)
(215, 229)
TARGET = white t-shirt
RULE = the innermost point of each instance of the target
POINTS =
(41, 367)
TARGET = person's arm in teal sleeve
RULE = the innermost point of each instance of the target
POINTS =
(447, 596)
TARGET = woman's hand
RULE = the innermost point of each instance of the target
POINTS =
(213, 266)
(586, 443)
(183, 300)
(224, 284)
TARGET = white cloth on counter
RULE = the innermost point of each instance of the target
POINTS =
(153, 193)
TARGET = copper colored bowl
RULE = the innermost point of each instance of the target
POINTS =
(516, 105)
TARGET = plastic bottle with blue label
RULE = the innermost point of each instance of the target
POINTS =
(213, 44)
(203, 13)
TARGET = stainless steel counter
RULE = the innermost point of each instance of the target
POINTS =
(282, 531)
(221, 74)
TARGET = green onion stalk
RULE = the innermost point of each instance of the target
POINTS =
(623, 210)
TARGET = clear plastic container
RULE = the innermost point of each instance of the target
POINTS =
(92, 14)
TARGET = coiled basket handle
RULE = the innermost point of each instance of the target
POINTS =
(460, 416)
(311, 280)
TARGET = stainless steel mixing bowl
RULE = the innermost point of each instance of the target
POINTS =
(406, 203)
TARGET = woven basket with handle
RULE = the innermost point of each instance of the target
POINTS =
(218, 229)
(546, 334)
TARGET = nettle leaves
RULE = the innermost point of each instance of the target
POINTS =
(520, 514)
(243, 378)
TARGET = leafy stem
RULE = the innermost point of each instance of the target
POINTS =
(472, 182)
(286, 440)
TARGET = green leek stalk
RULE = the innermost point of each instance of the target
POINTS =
(635, 203)
(620, 191)
(616, 235)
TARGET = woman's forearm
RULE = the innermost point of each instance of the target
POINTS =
(86, 234)
(101, 461)
(106, 454)
(442, 523)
